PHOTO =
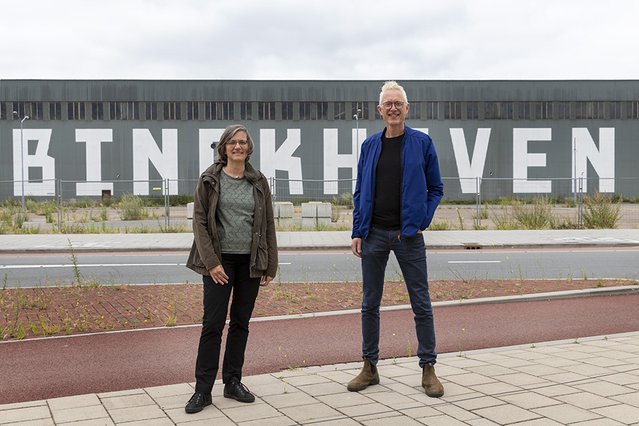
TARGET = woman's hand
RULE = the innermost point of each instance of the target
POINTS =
(218, 275)
(265, 280)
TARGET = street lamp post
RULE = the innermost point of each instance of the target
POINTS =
(356, 117)
(26, 117)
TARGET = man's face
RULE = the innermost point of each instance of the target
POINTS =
(393, 108)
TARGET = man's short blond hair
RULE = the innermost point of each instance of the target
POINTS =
(392, 85)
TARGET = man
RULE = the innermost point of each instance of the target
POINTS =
(398, 189)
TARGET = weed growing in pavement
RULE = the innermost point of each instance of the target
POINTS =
(33, 328)
(171, 321)
(310, 293)
(281, 294)
(460, 277)
(39, 301)
(19, 333)
(74, 261)
(461, 220)
(408, 349)
(14, 329)
(48, 329)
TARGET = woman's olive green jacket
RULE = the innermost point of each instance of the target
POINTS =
(205, 252)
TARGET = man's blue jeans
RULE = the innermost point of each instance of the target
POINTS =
(411, 255)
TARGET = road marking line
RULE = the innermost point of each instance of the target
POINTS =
(474, 261)
(95, 265)
(87, 265)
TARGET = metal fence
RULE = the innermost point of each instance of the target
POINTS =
(467, 201)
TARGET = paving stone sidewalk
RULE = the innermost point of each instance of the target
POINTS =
(589, 381)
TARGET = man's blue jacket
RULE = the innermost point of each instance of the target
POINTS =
(422, 186)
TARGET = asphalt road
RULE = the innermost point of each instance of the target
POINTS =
(106, 268)
(53, 367)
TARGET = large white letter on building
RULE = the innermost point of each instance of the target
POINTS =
(145, 150)
(470, 169)
(272, 159)
(39, 159)
(602, 159)
(522, 159)
(207, 154)
(93, 139)
(333, 160)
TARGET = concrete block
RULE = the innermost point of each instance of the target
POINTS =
(316, 213)
(283, 209)
(189, 210)
(309, 210)
(324, 210)
(316, 209)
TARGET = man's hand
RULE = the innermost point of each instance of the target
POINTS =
(265, 280)
(356, 246)
(218, 275)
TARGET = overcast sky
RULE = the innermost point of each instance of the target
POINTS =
(328, 39)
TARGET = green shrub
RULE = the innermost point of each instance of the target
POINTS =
(20, 218)
(565, 223)
(132, 208)
(345, 199)
(537, 215)
(601, 212)
(504, 221)
(440, 225)
(180, 200)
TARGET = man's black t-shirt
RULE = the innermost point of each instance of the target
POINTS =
(388, 185)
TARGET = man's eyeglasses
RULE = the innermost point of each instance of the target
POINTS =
(242, 144)
(389, 105)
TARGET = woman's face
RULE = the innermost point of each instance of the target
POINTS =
(237, 147)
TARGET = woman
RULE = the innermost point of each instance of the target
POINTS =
(235, 251)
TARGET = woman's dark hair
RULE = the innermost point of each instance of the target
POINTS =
(228, 134)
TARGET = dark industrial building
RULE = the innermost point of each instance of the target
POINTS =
(505, 138)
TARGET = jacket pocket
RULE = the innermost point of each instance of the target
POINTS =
(261, 258)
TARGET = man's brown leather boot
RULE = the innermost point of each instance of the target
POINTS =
(368, 376)
(431, 383)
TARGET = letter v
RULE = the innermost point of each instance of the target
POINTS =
(467, 169)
